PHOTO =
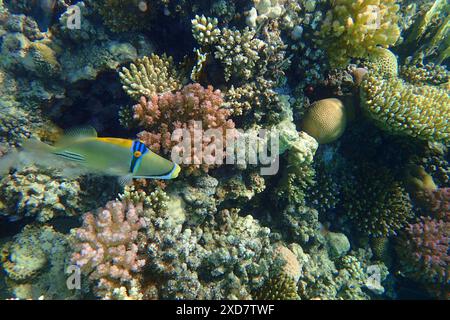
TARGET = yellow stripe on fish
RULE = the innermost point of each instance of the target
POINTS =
(125, 158)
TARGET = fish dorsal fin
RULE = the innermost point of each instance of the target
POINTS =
(75, 134)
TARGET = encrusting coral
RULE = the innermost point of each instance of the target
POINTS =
(35, 263)
(150, 76)
(33, 193)
(352, 29)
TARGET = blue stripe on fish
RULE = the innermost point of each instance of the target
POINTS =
(137, 146)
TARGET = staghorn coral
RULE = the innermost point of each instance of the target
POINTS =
(406, 109)
(106, 246)
(325, 120)
(150, 76)
(352, 29)
(35, 264)
(192, 108)
(376, 205)
(423, 251)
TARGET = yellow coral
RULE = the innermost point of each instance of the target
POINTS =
(406, 109)
(149, 76)
(352, 29)
(325, 120)
(383, 62)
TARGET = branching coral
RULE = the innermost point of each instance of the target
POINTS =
(423, 250)
(239, 52)
(352, 29)
(123, 16)
(106, 246)
(280, 287)
(185, 109)
(406, 109)
(377, 205)
(429, 73)
(150, 76)
(205, 31)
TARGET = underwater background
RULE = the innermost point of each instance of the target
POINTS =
(358, 91)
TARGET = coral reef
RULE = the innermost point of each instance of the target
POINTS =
(354, 29)
(325, 120)
(423, 252)
(36, 262)
(107, 247)
(192, 108)
(31, 193)
(406, 109)
(124, 16)
(150, 76)
(377, 205)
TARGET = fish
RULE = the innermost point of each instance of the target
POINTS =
(81, 149)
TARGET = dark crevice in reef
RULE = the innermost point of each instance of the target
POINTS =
(95, 103)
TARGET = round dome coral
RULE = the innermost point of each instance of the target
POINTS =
(325, 120)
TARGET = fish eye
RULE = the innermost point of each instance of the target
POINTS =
(137, 154)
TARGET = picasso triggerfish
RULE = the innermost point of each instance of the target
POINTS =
(124, 158)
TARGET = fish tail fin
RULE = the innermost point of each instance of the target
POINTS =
(8, 161)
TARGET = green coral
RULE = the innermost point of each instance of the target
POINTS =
(378, 205)
(407, 109)
(352, 29)
(149, 76)
(280, 287)
(383, 62)
(124, 15)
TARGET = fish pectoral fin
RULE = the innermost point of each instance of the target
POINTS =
(125, 180)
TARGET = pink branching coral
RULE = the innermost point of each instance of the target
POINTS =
(192, 108)
(106, 246)
(424, 253)
(438, 203)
